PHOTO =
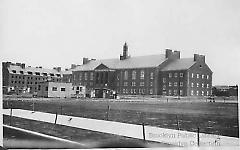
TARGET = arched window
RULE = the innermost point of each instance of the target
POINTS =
(134, 74)
(125, 75)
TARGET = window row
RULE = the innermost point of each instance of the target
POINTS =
(175, 84)
(32, 78)
(134, 84)
(170, 75)
(36, 73)
(173, 92)
(198, 85)
(136, 91)
(134, 75)
(202, 76)
(200, 93)
(85, 75)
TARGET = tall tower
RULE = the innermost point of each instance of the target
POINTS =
(125, 52)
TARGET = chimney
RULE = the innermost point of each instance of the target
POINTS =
(59, 69)
(198, 57)
(168, 53)
(23, 65)
(177, 54)
(125, 52)
(40, 67)
(73, 66)
(85, 60)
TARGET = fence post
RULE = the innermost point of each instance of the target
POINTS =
(198, 139)
(33, 105)
(55, 119)
(143, 126)
(108, 108)
(177, 122)
(11, 116)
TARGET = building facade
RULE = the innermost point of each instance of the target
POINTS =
(165, 74)
(17, 78)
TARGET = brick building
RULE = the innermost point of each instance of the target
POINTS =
(17, 78)
(163, 74)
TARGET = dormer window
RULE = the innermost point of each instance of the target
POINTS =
(51, 74)
(14, 71)
(21, 72)
(37, 73)
(58, 75)
(45, 74)
(29, 72)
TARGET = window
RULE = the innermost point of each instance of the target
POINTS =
(45, 74)
(197, 75)
(181, 74)
(207, 93)
(63, 89)
(192, 92)
(54, 88)
(170, 75)
(170, 84)
(126, 91)
(207, 76)
(141, 83)
(91, 76)
(175, 92)
(123, 90)
(197, 84)
(192, 84)
(175, 75)
(80, 76)
(14, 71)
(151, 83)
(164, 80)
(46, 88)
(181, 92)
(125, 84)
(164, 87)
(192, 75)
(134, 75)
(202, 85)
(181, 83)
(151, 91)
(202, 93)
(197, 93)
(207, 85)
(29, 72)
(21, 72)
(133, 83)
(134, 91)
(12, 76)
(131, 91)
(151, 75)
(175, 83)
(169, 92)
(142, 74)
(37, 73)
(125, 75)
(202, 76)
(85, 76)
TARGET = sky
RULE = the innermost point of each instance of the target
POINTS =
(52, 33)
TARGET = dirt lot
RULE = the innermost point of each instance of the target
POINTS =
(216, 118)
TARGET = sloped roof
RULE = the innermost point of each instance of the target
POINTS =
(32, 69)
(132, 62)
(179, 64)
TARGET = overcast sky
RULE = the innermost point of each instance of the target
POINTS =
(52, 33)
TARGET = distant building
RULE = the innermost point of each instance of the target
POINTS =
(61, 90)
(225, 90)
(17, 78)
(164, 74)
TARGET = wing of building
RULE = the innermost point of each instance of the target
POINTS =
(162, 74)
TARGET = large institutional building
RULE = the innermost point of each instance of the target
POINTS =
(164, 74)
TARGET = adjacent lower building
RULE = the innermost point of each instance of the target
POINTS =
(60, 89)
(164, 74)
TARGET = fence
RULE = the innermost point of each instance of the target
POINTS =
(169, 136)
